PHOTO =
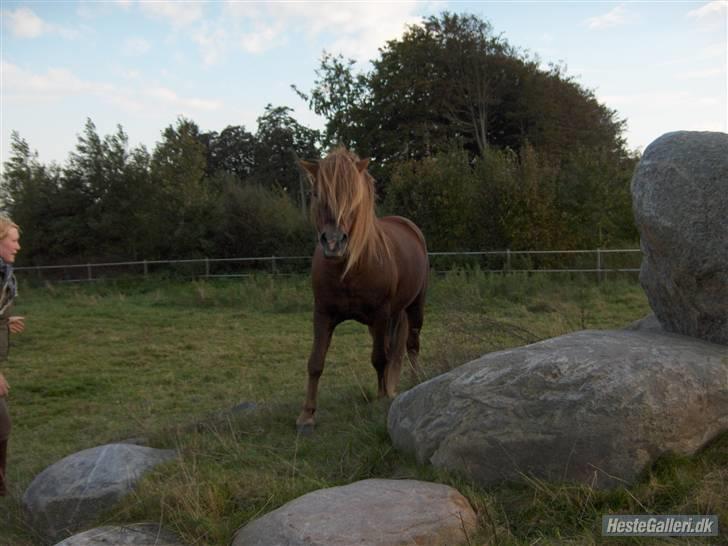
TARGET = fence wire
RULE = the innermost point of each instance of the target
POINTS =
(599, 262)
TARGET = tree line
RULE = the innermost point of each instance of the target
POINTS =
(469, 137)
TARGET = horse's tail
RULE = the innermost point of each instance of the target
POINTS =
(398, 334)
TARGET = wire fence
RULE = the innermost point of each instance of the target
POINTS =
(599, 262)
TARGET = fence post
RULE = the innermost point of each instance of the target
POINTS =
(274, 267)
(90, 274)
(146, 269)
(599, 265)
(207, 267)
(508, 260)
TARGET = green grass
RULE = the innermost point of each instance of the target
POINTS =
(167, 361)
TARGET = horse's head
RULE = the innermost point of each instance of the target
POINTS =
(342, 203)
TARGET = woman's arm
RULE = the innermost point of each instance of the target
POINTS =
(4, 387)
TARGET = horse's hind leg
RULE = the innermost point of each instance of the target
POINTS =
(323, 328)
(397, 343)
(389, 337)
(380, 339)
(415, 317)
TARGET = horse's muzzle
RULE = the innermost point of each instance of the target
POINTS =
(333, 243)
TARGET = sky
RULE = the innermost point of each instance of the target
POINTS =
(142, 64)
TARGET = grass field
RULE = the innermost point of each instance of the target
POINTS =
(166, 361)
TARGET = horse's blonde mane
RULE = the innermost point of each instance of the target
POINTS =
(350, 196)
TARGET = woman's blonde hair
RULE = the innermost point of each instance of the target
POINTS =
(6, 224)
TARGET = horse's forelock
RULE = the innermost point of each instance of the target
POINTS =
(339, 185)
(349, 195)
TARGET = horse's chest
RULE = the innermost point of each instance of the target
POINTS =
(355, 303)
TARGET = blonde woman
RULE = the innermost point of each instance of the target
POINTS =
(9, 247)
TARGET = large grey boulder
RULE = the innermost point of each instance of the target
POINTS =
(73, 492)
(370, 512)
(137, 534)
(594, 407)
(680, 201)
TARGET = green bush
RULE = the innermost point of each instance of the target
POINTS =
(257, 221)
(524, 201)
(436, 193)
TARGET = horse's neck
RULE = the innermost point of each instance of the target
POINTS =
(376, 260)
(379, 243)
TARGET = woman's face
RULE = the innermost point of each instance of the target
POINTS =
(10, 245)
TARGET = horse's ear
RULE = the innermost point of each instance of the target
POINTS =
(362, 165)
(311, 167)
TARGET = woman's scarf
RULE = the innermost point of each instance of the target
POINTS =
(9, 288)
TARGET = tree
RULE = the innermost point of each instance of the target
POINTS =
(103, 203)
(232, 150)
(281, 142)
(133, 203)
(82, 186)
(451, 78)
(180, 193)
(30, 196)
(18, 171)
(553, 113)
(448, 72)
(341, 97)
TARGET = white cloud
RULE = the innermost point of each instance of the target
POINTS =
(212, 42)
(24, 23)
(707, 124)
(178, 14)
(134, 46)
(129, 74)
(711, 17)
(356, 29)
(670, 100)
(360, 28)
(264, 37)
(57, 83)
(235, 8)
(170, 98)
(714, 9)
(713, 50)
(650, 115)
(701, 74)
(705, 53)
(616, 17)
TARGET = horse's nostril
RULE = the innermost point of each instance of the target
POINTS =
(344, 237)
(323, 238)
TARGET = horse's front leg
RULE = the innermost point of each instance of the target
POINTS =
(323, 328)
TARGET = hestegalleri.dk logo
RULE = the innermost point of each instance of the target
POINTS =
(660, 526)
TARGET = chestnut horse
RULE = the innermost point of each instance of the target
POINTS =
(369, 269)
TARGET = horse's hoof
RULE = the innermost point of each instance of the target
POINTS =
(305, 429)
